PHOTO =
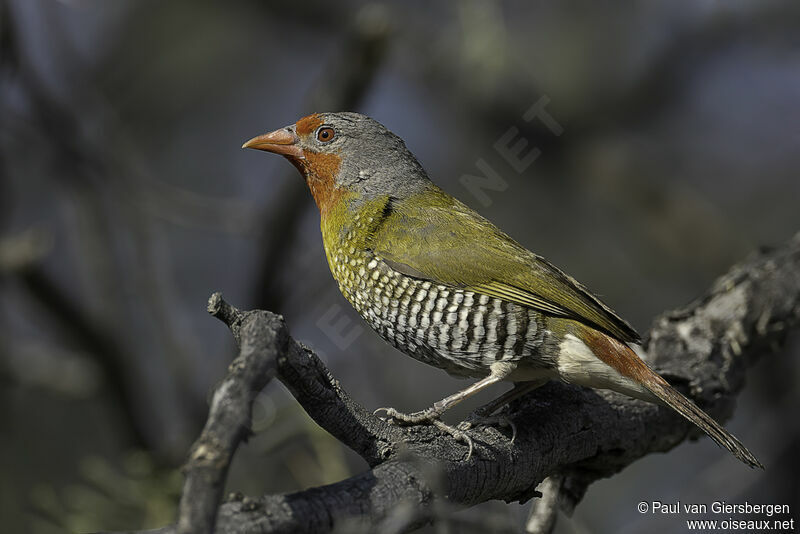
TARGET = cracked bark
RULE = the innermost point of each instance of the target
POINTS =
(704, 349)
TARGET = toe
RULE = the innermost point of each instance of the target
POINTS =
(457, 434)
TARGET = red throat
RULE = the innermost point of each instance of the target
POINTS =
(320, 171)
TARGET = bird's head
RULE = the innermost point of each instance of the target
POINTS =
(341, 153)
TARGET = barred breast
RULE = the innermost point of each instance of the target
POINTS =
(462, 332)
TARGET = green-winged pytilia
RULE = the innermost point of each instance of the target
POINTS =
(447, 287)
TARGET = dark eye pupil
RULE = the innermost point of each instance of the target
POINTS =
(325, 134)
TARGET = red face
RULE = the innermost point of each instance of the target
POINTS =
(300, 144)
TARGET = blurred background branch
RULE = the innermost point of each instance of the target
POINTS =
(342, 86)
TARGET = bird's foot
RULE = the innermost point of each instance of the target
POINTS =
(457, 434)
(482, 417)
(423, 416)
(428, 416)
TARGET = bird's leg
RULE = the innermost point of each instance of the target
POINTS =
(498, 371)
(520, 389)
(483, 416)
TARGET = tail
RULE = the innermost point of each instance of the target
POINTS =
(678, 402)
(638, 380)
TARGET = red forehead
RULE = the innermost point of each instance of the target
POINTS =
(306, 125)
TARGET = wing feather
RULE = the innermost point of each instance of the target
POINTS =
(443, 240)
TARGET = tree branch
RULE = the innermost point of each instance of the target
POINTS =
(703, 349)
(262, 337)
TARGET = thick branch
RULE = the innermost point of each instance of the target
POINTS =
(703, 349)
(262, 337)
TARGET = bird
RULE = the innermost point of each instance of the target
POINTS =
(444, 285)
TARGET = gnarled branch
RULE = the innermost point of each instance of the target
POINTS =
(576, 434)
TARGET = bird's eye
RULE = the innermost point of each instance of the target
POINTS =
(326, 134)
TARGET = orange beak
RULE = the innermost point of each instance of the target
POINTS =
(284, 142)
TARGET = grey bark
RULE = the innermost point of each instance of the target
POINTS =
(578, 435)
(262, 337)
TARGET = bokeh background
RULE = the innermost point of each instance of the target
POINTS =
(125, 200)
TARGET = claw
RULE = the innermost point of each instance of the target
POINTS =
(477, 418)
(427, 416)
(415, 418)
(382, 409)
(458, 435)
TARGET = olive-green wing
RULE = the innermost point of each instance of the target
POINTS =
(436, 237)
